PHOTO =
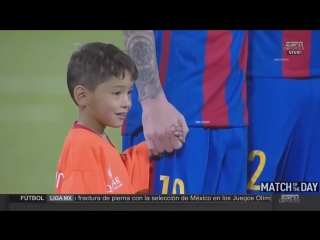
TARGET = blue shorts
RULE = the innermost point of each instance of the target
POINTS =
(284, 130)
(210, 162)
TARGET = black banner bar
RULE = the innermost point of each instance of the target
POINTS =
(4, 203)
(285, 202)
(139, 206)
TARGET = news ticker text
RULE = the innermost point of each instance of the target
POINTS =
(32, 198)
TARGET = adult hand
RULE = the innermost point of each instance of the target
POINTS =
(158, 120)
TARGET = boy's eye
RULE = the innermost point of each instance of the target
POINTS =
(129, 92)
(117, 93)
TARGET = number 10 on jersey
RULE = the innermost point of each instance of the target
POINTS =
(178, 183)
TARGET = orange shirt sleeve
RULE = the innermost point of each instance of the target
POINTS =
(136, 160)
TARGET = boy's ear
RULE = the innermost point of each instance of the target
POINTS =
(80, 97)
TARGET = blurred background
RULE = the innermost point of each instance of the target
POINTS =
(36, 111)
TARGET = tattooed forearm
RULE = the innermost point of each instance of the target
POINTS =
(141, 47)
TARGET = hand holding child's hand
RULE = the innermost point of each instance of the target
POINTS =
(178, 131)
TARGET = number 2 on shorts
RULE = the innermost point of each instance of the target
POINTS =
(262, 162)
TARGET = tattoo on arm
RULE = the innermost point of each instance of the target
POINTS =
(141, 47)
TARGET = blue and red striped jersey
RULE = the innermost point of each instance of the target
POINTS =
(284, 53)
(203, 75)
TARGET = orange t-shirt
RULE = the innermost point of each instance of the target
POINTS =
(90, 165)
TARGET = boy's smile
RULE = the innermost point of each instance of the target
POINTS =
(122, 115)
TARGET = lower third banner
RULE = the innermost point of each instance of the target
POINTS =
(139, 198)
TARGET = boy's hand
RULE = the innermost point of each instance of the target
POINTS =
(177, 130)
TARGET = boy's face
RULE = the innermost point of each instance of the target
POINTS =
(110, 102)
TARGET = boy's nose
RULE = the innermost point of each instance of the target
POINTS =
(126, 102)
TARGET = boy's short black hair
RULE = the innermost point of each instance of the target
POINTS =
(95, 63)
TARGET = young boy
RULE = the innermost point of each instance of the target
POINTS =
(100, 79)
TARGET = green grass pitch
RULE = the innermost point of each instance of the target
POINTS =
(36, 111)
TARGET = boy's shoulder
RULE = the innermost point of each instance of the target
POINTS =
(82, 139)
(81, 151)
(83, 136)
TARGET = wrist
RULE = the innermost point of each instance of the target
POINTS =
(152, 102)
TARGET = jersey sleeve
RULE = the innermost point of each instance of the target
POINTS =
(137, 162)
(83, 182)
